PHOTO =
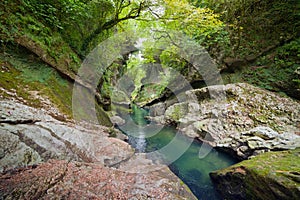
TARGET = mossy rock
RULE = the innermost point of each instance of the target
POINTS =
(175, 112)
(272, 175)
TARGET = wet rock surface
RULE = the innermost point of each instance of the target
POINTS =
(227, 117)
(43, 158)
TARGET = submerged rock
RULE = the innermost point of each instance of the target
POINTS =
(272, 176)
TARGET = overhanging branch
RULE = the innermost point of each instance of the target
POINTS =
(132, 14)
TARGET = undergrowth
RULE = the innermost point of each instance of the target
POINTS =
(277, 71)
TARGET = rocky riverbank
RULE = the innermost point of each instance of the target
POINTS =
(238, 118)
(250, 123)
(42, 157)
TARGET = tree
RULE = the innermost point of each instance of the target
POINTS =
(122, 10)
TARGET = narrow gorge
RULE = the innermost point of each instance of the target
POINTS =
(150, 99)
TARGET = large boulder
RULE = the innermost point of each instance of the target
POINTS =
(30, 136)
(226, 116)
(258, 140)
(272, 176)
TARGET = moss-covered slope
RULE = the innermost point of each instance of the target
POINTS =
(28, 79)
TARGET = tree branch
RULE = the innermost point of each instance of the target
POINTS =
(133, 14)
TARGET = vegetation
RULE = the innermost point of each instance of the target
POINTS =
(255, 25)
(263, 42)
(58, 34)
(25, 76)
(251, 179)
(277, 71)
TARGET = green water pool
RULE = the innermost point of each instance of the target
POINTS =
(189, 167)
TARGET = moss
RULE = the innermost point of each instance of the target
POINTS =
(120, 109)
(13, 85)
(103, 118)
(23, 72)
(119, 96)
(112, 132)
(177, 112)
(84, 113)
(272, 175)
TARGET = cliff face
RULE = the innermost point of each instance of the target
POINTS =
(41, 157)
(272, 175)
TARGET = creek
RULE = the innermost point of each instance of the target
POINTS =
(189, 167)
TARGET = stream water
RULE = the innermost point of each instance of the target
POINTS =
(191, 169)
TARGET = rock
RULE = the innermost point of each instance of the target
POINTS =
(57, 140)
(191, 131)
(289, 136)
(255, 138)
(157, 109)
(255, 142)
(14, 152)
(119, 97)
(272, 176)
(158, 119)
(43, 158)
(175, 112)
(2, 153)
(242, 151)
(265, 133)
(117, 120)
(238, 111)
(58, 179)
(119, 135)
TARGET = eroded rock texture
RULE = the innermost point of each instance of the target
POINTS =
(43, 158)
(239, 118)
(58, 179)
